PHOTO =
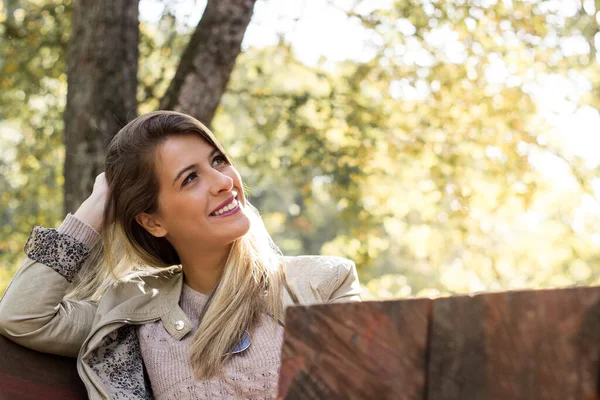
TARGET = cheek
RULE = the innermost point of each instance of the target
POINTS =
(183, 206)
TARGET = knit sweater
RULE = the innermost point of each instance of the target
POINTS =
(251, 374)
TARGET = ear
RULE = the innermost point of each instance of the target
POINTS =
(152, 224)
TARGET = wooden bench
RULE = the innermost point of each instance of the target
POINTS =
(521, 345)
(30, 375)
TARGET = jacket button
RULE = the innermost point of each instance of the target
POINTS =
(179, 325)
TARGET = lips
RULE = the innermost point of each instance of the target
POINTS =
(223, 204)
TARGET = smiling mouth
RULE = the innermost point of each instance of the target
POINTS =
(229, 209)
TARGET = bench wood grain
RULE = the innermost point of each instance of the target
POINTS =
(30, 375)
(519, 345)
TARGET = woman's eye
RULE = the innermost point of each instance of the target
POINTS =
(221, 158)
(187, 179)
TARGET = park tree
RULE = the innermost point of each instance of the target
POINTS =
(102, 76)
(429, 163)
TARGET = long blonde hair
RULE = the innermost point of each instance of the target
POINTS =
(251, 279)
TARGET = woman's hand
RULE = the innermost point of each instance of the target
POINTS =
(91, 210)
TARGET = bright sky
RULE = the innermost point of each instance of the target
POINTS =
(314, 27)
(317, 28)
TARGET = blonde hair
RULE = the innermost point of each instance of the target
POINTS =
(250, 283)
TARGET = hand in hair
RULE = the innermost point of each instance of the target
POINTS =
(91, 210)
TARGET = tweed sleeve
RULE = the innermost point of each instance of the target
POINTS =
(64, 249)
(33, 311)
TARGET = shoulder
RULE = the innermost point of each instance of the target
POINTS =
(322, 273)
(143, 283)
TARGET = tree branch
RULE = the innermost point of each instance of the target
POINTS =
(209, 58)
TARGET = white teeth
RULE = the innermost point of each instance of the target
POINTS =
(228, 207)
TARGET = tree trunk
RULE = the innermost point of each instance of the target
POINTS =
(209, 58)
(102, 84)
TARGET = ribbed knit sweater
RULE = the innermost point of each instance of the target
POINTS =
(251, 374)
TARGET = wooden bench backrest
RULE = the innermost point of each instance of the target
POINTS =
(521, 345)
(30, 375)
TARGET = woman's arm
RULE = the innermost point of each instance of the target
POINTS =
(33, 312)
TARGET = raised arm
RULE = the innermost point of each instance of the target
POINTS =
(33, 311)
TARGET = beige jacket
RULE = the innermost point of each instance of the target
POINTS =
(102, 335)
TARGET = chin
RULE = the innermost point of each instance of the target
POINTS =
(246, 229)
(241, 229)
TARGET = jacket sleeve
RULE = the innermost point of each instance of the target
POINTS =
(347, 287)
(33, 312)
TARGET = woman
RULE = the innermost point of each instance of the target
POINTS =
(187, 299)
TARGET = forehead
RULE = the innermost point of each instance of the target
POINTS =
(179, 151)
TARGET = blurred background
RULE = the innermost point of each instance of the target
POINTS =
(444, 146)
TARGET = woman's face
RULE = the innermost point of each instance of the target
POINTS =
(195, 181)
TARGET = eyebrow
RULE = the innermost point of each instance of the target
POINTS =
(192, 166)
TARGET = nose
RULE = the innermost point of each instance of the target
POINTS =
(220, 183)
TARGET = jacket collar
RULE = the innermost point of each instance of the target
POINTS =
(149, 298)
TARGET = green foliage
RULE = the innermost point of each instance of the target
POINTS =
(429, 165)
(160, 47)
(33, 42)
(420, 163)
